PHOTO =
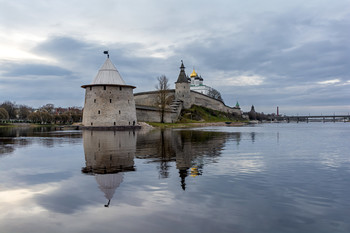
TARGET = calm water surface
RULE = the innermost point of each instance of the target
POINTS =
(263, 178)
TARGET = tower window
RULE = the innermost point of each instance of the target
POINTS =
(120, 88)
(104, 87)
(114, 123)
(90, 88)
(99, 112)
(119, 111)
(94, 100)
(110, 100)
(91, 123)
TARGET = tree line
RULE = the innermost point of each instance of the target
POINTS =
(260, 116)
(47, 114)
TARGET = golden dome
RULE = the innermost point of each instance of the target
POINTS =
(194, 74)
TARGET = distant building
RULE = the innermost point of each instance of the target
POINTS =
(182, 97)
(197, 84)
(109, 102)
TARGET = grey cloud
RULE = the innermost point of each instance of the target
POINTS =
(35, 69)
(273, 47)
(291, 45)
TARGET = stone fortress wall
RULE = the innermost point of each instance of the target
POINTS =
(146, 105)
(110, 103)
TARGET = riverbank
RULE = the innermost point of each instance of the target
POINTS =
(142, 124)
(19, 125)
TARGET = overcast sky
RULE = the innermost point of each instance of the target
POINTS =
(291, 54)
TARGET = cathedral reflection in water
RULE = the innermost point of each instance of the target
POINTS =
(110, 154)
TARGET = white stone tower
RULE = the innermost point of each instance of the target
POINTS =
(182, 88)
(109, 102)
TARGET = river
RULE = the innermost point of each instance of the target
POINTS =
(260, 178)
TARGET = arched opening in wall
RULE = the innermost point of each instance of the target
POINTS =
(99, 112)
(92, 123)
(104, 87)
(110, 100)
(114, 123)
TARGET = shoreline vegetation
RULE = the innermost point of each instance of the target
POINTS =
(142, 124)
(196, 116)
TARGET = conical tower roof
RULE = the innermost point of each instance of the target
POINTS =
(182, 76)
(108, 183)
(108, 74)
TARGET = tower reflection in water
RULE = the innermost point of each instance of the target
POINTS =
(190, 150)
(108, 154)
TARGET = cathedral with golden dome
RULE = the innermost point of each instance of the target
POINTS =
(197, 84)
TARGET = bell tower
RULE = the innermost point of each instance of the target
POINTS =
(182, 88)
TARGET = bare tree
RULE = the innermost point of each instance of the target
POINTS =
(3, 114)
(215, 94)
(163, 96)
(10, 108)
(24, 111)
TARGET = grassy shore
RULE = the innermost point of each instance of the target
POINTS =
(198, 116)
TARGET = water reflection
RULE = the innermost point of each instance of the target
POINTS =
(108, 154)
(291, 179)
(184, 147)
(191, 150)
(19, 137)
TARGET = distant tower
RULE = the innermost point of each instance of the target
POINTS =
(237, 105)
(109, 102)
(182, 88)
